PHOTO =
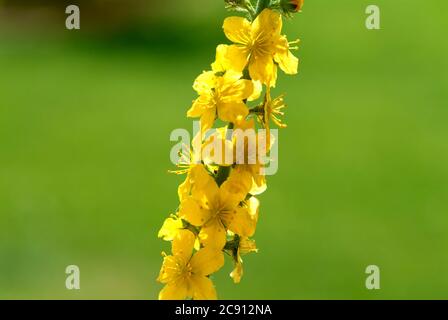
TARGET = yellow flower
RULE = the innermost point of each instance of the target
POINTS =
(186, 274)
(260, 44)
(272, 110)
(216, 209)
(222, 96)
(245, 246)
(186, 160)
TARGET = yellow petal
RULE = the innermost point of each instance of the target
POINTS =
(217, 150)
(237, 272)
(170, 229)
(236, 58)
(183, 244)
(213, 234)
(205, 192)
(221, 62)
(184, 189)
(244, 124)
(285, 59)
(199, 106)
(207, 120)
(170, 267)
(253, 205)
(242, 222)
(259, 185)
(229, 78)
(177, 291)
(207, 261)
(208, 193)
(237, 29)
(203, 288)
(258, 88)
(236, 90)
(231, 193)
(204, 83)
(197, 244)
(225, 59)
(194, 211)
(263, 69)
(232, 111)
(199, 177)
(268, 23)
(259, 179)
(247, 246)
(196, 178)
(240, 181)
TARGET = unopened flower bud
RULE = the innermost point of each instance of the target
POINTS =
(235, 3)
(291, 6)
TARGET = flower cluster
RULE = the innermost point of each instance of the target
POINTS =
(218, 211)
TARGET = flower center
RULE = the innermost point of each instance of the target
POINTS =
(260, 46)
(182, 272)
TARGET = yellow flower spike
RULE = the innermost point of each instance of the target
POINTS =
(186, 274)
(218, 210)
(260, 45)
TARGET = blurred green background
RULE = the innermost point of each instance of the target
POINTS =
(85, 118)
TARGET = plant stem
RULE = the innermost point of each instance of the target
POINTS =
(250, 8)
(262, 4)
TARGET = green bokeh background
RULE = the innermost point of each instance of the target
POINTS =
(85, 119)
